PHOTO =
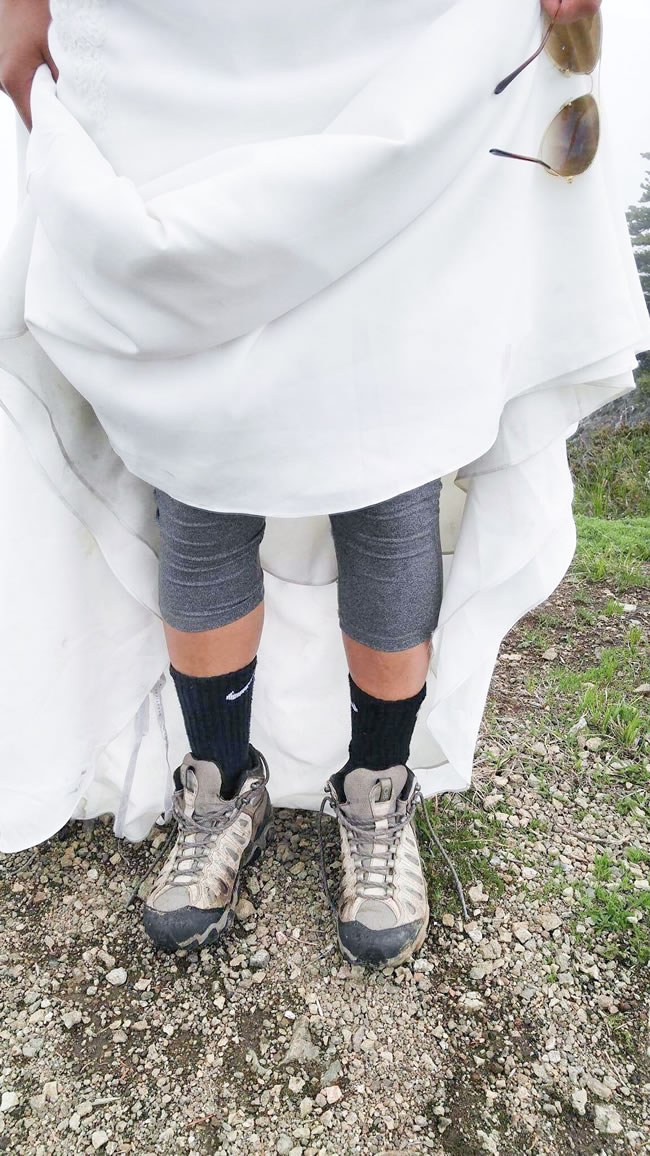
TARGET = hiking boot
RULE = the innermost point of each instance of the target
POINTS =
(192, 900)
(383, 910)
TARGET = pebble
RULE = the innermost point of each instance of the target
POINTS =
(549, 921)
(244, 910)
(477, 894)
(71, 1018)
(260, 958)
(607, 1120)
(301, 1046)
(99, 1138)
(579, 1100)
(332, 1094)
(9, 1101)
(522, 932)
(332, 1073)
(117, 976)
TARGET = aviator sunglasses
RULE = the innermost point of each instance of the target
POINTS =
(570, 142)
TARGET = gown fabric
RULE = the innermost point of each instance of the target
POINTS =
(265, 262)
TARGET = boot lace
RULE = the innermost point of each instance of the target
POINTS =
(203, 829)
(359, 831)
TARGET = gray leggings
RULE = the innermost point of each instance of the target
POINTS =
(389, 567)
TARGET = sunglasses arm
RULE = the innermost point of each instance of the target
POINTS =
(533, 160)
(503, 84)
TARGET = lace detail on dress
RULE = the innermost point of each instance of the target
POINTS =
(80, 28)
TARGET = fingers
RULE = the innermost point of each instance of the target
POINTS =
(570, 10)
(20, 89)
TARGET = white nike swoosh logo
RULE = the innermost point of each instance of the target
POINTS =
(238, 693)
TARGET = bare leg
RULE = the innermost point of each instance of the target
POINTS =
(203, 653)
(387, 675)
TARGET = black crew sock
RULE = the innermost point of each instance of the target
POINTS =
(217, 715)
(381, 729)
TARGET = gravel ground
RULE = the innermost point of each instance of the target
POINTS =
(520, 1030)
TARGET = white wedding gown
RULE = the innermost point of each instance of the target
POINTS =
(266, 263)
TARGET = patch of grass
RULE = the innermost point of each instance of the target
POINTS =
(636, 855)
(537, 637)
(618, 918)
(636, 803)
(468, 835)
(612, 473)
(601, 695)
(585, 616)
(613, 608)
(614, 551)
(603, 867)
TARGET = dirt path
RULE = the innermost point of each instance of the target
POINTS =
(525, 1030)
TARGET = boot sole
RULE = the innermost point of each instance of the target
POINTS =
(160, 927)
(392, 961)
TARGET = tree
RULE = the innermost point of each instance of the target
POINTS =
(638, 220)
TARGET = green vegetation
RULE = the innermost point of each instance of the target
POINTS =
(612, 471)
(617, 916)
(616, 552)
(469, 837)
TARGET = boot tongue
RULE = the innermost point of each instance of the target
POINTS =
(373, 794)
(201, 780)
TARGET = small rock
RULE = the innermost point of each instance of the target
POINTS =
(260, 958)
(447, 920)
(306, 1106)
(99, 1138)
(332, 1094)
(579, 1100)
(550, 655)
(116, 977)
(301, 1046)
(644, 688)
(594, 743)
(51, 1091)
(9, 1100)
(549, 921)
(244, 910)
(71, 1018)
(607, 1120)
(473, 932)
(521, 932)
(296, 1084)
(284, 1145)
(332, 1074)
(477, 894)
(480, 970)
(599, 1088)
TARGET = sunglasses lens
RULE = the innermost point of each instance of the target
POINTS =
(571, 140)
(576, 47)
